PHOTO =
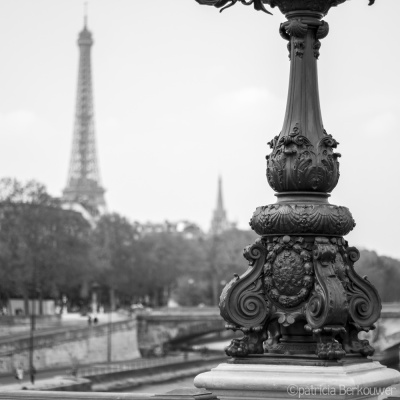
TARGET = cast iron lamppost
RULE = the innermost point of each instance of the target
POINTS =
(300, 302)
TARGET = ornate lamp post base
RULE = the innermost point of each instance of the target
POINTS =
(300, 304)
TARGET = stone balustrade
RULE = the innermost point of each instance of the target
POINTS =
(176, 394)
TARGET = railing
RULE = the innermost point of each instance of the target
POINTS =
(177, 394)
(38, 395)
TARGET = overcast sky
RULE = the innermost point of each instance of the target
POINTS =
(184, 93)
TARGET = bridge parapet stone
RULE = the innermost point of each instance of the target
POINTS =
(176, 394)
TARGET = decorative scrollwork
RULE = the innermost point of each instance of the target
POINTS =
(327, 309)
(316, 307)
(242, 301)
(250, 302)
(365, 304)
(328, 305)
(296, 280)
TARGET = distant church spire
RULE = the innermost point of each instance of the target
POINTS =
(83, 184)
(219, 222)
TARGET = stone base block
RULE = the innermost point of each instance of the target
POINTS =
(368, 380)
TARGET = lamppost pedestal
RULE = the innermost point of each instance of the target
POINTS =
(368, 380)
(301, 304)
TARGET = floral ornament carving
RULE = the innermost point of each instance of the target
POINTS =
(316, 47)
(296, 165)
(299, 46)
(298, 30)
(297, 218)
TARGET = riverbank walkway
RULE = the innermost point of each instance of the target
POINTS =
(96, 371)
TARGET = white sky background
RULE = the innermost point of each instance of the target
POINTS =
(184, 93)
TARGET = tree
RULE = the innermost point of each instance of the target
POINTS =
(212, 261)
(115, 242)
(225, 257)
(383, 272)
(163, 258)
(43, 246)
(143, 261)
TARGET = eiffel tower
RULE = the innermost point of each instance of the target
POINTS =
(83, 184)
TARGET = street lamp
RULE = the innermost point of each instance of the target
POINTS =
(300, 302)
(94, 300)
(110, 326)
(32, 370)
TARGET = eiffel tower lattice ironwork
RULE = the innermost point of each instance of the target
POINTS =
(83, 184)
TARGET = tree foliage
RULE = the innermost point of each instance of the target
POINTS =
(383, 272)
(43, 246)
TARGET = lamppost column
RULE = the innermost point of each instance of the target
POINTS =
(303, 156)
(300, 304)
(303, 34)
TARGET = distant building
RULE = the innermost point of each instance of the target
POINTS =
(84, 188)
(24, 307)
(219, 222)
(187, 229)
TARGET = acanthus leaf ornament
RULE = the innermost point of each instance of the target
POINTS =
(297, 165)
